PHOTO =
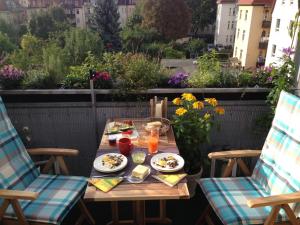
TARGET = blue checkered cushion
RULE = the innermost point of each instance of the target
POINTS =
(57, 196)
(17, 170)
(228, 197)
(276, 172)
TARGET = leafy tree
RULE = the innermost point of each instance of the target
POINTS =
(13, 31)
(6, 46)
(79, 42)
(42, 24)
(171, 18)
(203, 14)
(106, 21)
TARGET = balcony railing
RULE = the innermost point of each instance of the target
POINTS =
(263, 43)
(266, 24)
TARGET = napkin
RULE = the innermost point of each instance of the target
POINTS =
(105, 184)
(170, 179)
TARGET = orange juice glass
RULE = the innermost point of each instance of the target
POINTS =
(153, 141)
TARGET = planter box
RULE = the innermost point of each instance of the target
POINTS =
(64, 118)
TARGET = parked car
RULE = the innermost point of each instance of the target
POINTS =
(211, 47)
(220, 47)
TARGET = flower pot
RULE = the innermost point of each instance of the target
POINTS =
(192, 182)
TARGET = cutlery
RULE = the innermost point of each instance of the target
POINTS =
(113, 175)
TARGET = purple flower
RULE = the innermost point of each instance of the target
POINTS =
(268, 69)
(178, 79)
(288, 51)
(269, 79)
(9, 72)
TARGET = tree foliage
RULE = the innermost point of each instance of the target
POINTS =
(169, 17)
(106, 22)
(203, 14)
(79, 42)
(42, 24)
(13, 31)
(6, 46)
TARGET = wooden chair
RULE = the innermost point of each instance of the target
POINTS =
(26, 195)
(159, 109)
(271, 195)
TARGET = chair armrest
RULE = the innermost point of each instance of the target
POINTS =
(15, 194)
(234, 154)
(274, 200)
(53, 151)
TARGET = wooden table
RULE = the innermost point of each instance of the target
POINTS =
(138, 193)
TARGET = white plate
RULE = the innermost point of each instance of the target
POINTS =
(157, 157)
(101, 168)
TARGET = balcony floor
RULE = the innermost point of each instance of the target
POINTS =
(180, 211)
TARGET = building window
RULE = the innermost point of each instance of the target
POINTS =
(235, 52)
(283, 2)
(233, 11)
(229, 11)
(241, 54)
(228, 25)
(243, 36)
(77, 11)
(291, 2)
(246, 14)
(277, 25)
(226, 38)
(238, 34)
(230, 39)
(266, 15)
(232, 25)
(273, 50)
(241, 14)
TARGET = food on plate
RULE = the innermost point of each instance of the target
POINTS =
(118, 127)
(167, 162)
(112, 161)
(140, 171)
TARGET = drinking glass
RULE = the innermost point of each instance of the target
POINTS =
(153, 140)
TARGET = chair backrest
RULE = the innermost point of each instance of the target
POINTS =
(17, 170)
(159, 109)
(278, 168)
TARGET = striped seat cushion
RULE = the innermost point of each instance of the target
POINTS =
(57, 195)
(228, 197)
(17, 170)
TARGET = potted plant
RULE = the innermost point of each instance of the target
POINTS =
(192, 123)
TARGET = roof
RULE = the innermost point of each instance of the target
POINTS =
(126, 2)
(226, 1)
(256, 2)
(9, 5)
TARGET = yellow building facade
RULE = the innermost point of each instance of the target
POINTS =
(252, 33)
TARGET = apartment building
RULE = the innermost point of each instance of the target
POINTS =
(225, 22)
(11, 11)
(252, 32)
(125, 9)
(283, 15)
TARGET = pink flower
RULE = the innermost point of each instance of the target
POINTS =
(288, 51)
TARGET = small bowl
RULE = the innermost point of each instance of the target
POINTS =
(138, 157)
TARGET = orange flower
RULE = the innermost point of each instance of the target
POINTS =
(212, 101)
(189, 97)
(220, 110)
(177, 101)
(180, 111)
(198, 105)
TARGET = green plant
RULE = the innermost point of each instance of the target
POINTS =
(154, 50)
(78, 42)
(39, 79)
(114, 63)
(208, 73)
(283, 78)
(245, 79)
(192, 122)
(6, 46)
(171, 53)
(196, 46)
(54, 61)
(140, 73)
(79, 76)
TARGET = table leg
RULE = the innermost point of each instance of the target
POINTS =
(162, 219)
(140, 212)
(114, 213)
